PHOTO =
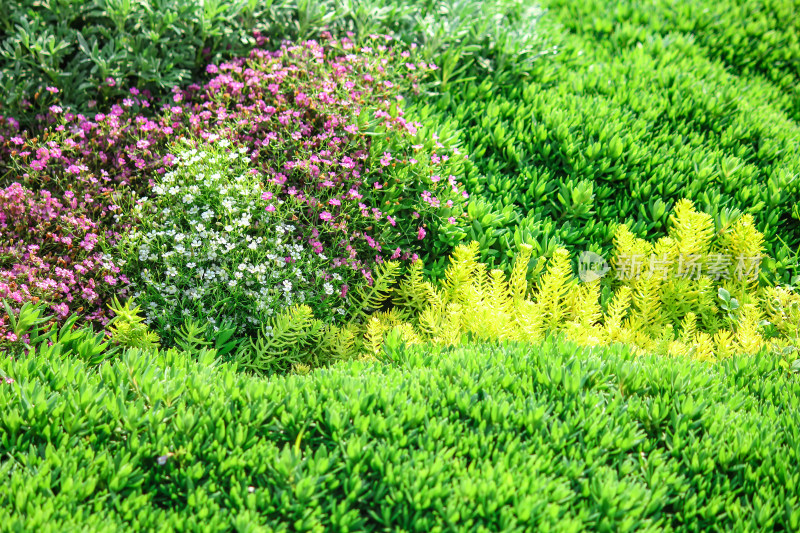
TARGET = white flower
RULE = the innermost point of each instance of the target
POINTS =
(287, 285)
(328, 288)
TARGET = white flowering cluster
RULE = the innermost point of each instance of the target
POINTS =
(207, 247)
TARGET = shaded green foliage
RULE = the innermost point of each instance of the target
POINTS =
(512, 438)
(75, 46)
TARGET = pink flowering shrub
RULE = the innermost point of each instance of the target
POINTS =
(322, 121)
(49, 251)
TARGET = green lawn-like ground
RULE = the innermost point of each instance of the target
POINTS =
(482, 438)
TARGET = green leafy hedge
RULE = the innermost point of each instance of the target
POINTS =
(483, 438)
(614, 130)
(76, 46)
(752, 38)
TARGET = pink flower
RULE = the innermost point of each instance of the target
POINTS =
(386, 159)
(270, 208)
(62, 310)
(421, 233)
(54, 109)
(266, 196)
(452, 220)
(51, 90)
(325, 216)
(334, 201)
(134, 91)
(110, 82)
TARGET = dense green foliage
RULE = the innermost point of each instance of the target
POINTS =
(487, 438)
(95, 50)
(752, 38)
(436, 416)
(643, 105)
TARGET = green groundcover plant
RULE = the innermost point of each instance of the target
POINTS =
(643, 105)
(513, 437)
